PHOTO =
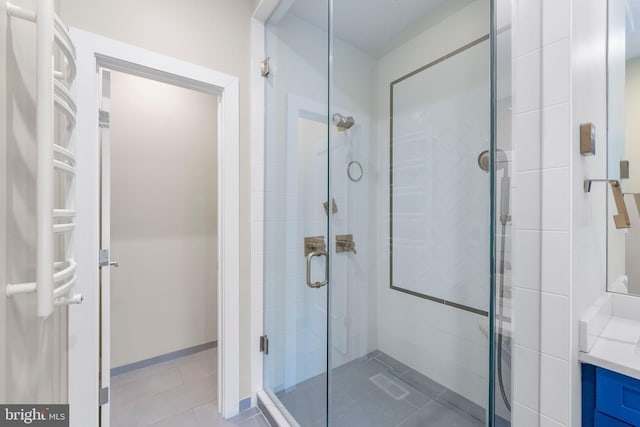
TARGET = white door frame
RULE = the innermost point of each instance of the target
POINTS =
(93, 51)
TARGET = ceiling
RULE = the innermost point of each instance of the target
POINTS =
(377, 26)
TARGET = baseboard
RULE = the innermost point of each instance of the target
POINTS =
(163, 358)
(245, 404)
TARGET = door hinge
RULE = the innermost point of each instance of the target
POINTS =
(104, 396)
(264, 344)
(103, 119)
(103, 258)
(265, 69)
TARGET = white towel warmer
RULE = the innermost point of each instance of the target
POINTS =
(55, 279)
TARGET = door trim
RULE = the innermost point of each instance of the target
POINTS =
(84, 358)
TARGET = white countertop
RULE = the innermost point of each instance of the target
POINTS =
(617, 348)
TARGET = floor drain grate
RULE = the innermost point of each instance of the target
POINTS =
(389, 386)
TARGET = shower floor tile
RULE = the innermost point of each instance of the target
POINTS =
(379, 391)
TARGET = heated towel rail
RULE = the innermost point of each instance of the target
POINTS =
(55, 277)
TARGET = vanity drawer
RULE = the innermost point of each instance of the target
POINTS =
(618, 396)
(602, 420)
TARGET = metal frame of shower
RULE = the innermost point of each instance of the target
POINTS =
(55, 280)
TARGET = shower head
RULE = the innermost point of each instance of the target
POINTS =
(343, 123)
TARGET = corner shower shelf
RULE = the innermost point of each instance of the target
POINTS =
(55, 280)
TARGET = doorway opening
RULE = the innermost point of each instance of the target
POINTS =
(89, 326)
(159, 223)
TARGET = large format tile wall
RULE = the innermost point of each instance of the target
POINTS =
(459, 361)
(559, 232)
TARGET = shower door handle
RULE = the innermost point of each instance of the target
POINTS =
(316, 285)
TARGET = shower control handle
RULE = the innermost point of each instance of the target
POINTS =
(316, 285)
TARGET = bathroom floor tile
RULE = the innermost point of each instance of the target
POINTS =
(177, 393)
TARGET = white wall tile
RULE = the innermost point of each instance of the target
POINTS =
(526, 376)
(528, 26)
(555, 73)
(524, 417)
(527, 89)
(527, 140)
(555, 20)
(526, 305)
(554, 388)
(527, 206)
(541, 213)
(549, 422)
(554, 324)
(526, 263)
(555, 262)
(555, 199)
(556, 136)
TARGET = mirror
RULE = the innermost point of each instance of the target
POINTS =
(623, 149)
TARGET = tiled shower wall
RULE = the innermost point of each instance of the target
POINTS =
(542, 80)
(460, 360)
(559, 232)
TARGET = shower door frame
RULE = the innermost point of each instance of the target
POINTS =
(95, 51)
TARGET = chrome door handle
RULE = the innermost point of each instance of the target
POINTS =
(114, 264)
(316, 285)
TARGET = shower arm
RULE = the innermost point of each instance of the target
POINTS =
(621, 220)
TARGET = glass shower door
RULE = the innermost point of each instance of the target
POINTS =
(297, 209)
(411, 171)
(381, 207)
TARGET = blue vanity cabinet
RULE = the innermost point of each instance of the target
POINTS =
(603, 420)
(609, 399)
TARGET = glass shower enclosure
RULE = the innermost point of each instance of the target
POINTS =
(387, 213)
